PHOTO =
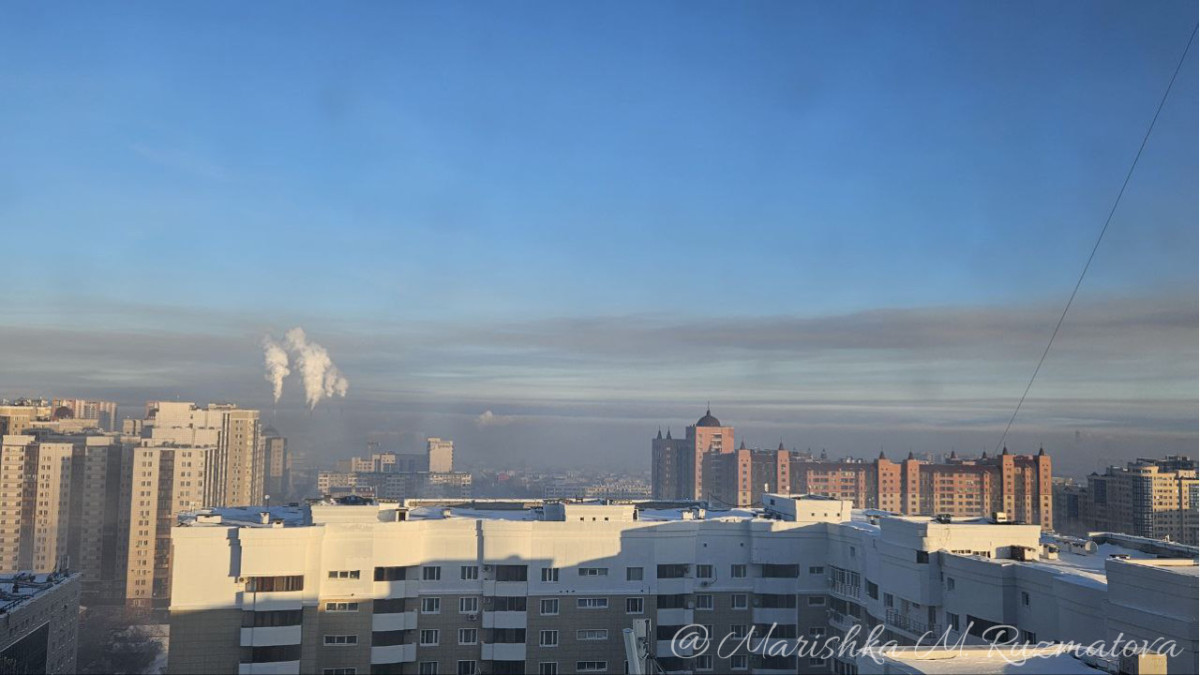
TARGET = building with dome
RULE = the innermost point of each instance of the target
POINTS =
(677, 469)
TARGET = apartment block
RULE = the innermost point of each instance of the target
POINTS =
(1017, 485)
(104, 412)
(237, 467)
(165, 481)
(677, 467)
(530, 587)
(39, 623)
(441, 455)
(277, 484)
(1154, 498)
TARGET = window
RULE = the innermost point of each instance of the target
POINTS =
(704, 572)
(888, 600)
(952, 619)
(816, 631)
(1028, 637)
(548, 638)
(504, 603)
(853, 552)
(429, 636)
(704, 601)
(592, 603)
(593, 571)
(508, 636)
(872, 590)
(388, 638)
(780, 571)
(591, 666)
(343, 574)
(739, 630)
(512, 573)
(428, 668)
(468, 636)
(431, 573)
(431, 605)
(340, 640)
(468, 605)
(633, 574)
(389, 573)
(676, 601)
(466, 668)
(678, 571)
(279, 617)
(739, 662)
(704, 662)
(923, 557)
(341, 607)
(468, 573)
(591, 634)
(1025, 598)
(339, 671)
(634, 606)
(388, 606)
(816, 601)
(549, 606)
(949, 583)
(548, 668)
(816, 570)
(737, 571)
(816, 662)
(738, 601)
(274, 584)
(550, 575)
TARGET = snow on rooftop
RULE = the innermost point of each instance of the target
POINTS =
(971, 660)
(245, 516)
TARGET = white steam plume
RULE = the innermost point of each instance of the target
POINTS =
(277, 365)
(320, 377)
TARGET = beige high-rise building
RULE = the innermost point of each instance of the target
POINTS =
(441, 455)
(60, 507)
(237, 467)
(1155, 498)
(104, 412)
(165, 481)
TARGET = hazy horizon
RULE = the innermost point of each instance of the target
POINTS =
(545, 231)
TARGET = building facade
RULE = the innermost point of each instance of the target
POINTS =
(677, 464)
(39, 623)
(1017, 485)
(548, 589)
(1155, 498)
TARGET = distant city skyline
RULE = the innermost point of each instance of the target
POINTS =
(544, 230)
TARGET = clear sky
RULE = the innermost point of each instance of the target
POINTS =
(604, 214)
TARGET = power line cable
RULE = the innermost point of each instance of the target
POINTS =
(1186, 48)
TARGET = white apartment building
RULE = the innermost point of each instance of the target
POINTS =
(500, 588)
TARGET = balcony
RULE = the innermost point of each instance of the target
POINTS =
(776, 585)
(663, 649)
(271, 600)
(895, 619)
(276, 668)
(845, 590)
(270, 636)
(780, 615)
(505, 619)
(503, 651)
(842, 622)
(394, 654)
(674, 617)
(397, 621)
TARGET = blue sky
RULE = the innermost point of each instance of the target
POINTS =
(372, 169)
